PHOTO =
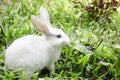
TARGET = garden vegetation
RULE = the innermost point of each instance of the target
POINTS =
(92, 25)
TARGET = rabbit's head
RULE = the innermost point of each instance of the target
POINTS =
(54, 36)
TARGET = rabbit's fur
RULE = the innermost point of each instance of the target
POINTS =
(32, 53)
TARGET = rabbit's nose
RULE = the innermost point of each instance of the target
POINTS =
(67, 41)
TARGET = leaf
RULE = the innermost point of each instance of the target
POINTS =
(84, 60)
(104, 63)
(117, 48)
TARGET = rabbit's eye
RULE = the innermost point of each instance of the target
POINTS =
(58, 36)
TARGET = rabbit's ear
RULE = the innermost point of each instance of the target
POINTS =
(45, 16)
(40, 24)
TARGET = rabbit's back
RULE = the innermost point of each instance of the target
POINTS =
(27, 52)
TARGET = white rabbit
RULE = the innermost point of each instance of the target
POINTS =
(32, 53)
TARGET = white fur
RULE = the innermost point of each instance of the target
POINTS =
(32, 53)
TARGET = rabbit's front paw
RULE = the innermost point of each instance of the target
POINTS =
(51, 69)
(52, 72)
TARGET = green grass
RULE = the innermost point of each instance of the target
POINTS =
(93, 53)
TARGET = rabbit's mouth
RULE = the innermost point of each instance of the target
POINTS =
(66, 42)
